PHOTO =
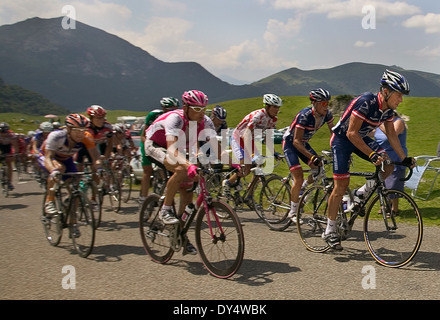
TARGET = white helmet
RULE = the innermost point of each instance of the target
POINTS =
(272, 100)
(46, 126)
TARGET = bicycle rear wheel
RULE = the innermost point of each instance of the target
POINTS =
(92, 193)
(274, 203)
(393, 239)
(312, 218)
(84, 241)
(219, 239)
(126, 183)
(155, 235)
(114, 193)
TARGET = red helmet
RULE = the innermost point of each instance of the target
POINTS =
(96, 110)
(195, 98)
(76, 120)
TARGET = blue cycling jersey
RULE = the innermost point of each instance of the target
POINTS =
(308, 120)
(368, 108)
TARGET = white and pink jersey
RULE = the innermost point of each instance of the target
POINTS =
(174, 123)
(258, 119)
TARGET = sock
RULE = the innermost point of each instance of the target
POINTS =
(293, 207)
(331, 226)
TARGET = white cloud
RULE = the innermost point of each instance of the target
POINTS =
(427, 52)
(362, 44)
(338, 9)
(430, 22)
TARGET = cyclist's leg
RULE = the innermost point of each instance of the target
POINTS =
(292, 158)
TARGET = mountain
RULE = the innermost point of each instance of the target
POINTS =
(79, 67)
(351, 78)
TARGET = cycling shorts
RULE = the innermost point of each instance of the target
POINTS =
(342, 148)
(293, 155)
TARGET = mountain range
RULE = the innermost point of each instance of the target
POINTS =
(75, 68)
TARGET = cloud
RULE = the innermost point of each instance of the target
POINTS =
(430, 22)
(362, 44)
(337, 9)
(427, 52)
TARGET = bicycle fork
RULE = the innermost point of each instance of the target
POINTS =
(385, 208)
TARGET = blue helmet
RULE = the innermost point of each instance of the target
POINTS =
(219, 112)
(319, 95)
(394, 81)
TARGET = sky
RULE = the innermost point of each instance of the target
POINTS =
(242, 41)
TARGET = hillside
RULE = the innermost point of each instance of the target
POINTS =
(16, 99)
(83, 66)
(351, 78)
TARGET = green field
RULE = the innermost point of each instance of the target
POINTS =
(423, 135)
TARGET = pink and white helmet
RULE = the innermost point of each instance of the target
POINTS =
(195, 98)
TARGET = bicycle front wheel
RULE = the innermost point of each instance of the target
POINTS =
(52, 225)
(274, 203)
(126, 183)
(220, 239)
(393, 238)
(312, 218)
(84, 237)
(155, 235)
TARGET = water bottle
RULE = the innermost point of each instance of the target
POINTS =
(189, 209)
(345, 200)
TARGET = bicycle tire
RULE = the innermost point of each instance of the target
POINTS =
(228, 235)
(85, 224)
(126, 183)
(92, 192)
(53, 228)
(154, 234)
(396, 247)
(114, 192)
(274, 203)
(312, 218)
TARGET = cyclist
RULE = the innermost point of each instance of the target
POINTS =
(218, 117)
(167, 104)
(351, 134)
(8, 146)
(166, 139)
(57, 151)
(296, 142)
(102, 132)
(122, 141)
(242, 140)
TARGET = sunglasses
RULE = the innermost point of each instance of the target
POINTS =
(197, 109)
(79, 129)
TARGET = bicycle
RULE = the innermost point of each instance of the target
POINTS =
(89, 187)
(125, 176)
(74, 213)
(275, 196)
(4, 174)
(109, 185)
(238, 199)
(218, 232)
(392, 239)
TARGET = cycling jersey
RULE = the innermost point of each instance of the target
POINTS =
(258, 119)
(368, 108)
(57, 141)
(308, 120)
(39, 138)
(6, 141)
(174, 123)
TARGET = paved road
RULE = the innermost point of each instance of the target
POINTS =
(276, 265)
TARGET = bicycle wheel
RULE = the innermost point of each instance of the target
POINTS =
(155, 235)
(52, 226)
(159, 180)
(220, 239)
(312, 218)
(83, 241)
(114, 193)
(92, 193)
(126, 178)
(274, 203)
(393, 239)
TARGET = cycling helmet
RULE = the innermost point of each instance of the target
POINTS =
(272, 100)
(119, 127)
(76, 120)
(96, 110)
(319, 95)
(395, 81)
(56, 125)
(195, 98)
(31, 133)
(219, 112)
(46, 126)
(4, 127)
(169, 102)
